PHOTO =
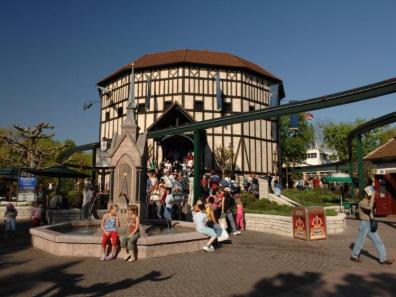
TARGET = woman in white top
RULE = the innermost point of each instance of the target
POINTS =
(200, 220)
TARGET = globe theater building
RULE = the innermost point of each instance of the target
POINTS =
(179, 87)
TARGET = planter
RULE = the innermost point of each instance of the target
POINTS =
(282, 225)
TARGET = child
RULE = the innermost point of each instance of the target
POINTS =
(36, 215)
(129, 240)
(10, 219)
(239, 215)
(109, 225)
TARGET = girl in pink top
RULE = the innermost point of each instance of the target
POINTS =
(239, 216)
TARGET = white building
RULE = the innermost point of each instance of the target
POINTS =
(179, 87)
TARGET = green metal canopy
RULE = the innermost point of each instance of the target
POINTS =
(338, 178)
(57, 171)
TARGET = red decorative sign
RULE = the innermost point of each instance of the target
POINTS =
(299, 226)
(317, 226)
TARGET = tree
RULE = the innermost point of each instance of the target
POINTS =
(335, 137)
(294, 143)
(224, 157)
(28, 147)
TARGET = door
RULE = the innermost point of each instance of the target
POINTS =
(383, 204)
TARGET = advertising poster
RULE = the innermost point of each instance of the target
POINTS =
(26, 186)
(317, 226)
(299, 225)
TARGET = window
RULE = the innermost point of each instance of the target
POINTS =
(167, 104)
(198, 106)
(311, 156)
(141, 107)
(107, 115)
(251, 108)
(119, 112)
(227, 107)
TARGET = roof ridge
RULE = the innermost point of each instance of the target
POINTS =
(380, 147)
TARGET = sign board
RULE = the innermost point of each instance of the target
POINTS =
(299, 224)
(26, 196)
(27, 183)
(317, 226)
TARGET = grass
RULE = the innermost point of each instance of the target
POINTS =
(264, 206)
(313, 197)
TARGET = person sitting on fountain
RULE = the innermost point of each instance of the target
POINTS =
(128, 241)
(109, 225)
(200, 220)
(168, 206)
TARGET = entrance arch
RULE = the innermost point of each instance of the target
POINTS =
(176, 147)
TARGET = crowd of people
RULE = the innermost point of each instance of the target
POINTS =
(168, 188)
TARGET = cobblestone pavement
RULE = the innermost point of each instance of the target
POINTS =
(255, 264)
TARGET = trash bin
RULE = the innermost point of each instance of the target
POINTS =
(309, 223)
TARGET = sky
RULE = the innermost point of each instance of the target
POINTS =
(53, 53)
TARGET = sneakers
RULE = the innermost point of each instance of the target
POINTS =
(131, 259)
(127, 257)
(358, 259)
(211, 248)
(208, 249)
(103, 258)
(108, 258)
(236, 232)
(387, 262)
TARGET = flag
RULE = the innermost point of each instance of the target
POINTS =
(277, 92)
(308, 116)
(131, 98)
(148, 93)
(219, 97)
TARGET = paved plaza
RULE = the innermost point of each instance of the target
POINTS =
(255, 264)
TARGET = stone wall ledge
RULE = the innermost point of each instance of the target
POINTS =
(282, 225)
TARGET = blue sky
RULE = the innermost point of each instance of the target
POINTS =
(53, 53)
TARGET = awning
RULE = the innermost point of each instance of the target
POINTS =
(338, 178)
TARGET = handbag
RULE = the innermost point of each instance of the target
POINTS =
(373, 225)
(224, 234)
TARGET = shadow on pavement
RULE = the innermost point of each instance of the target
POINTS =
(17, 242)
(315, 284)
(59, 282)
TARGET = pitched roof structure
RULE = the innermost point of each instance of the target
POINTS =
(386, 151)
(188, 56)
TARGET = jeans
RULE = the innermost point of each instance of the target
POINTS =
(159, 209)
(231, 221)
(10, 224)
(364, 230)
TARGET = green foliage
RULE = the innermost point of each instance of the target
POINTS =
(335, 137)
(74, 198)
(294, 143)
(264, 206)
(313, 197)
(331, 212)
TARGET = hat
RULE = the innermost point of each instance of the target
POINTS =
(199, 202)
(10, 206)
(227, 189)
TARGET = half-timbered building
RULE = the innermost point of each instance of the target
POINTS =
(178, 87)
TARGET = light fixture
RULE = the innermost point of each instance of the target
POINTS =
(103, 144)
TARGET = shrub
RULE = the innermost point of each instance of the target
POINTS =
(74, 199)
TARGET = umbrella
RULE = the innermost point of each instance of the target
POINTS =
(338, 178)
(57, 171)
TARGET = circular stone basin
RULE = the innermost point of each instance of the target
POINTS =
(76, 239)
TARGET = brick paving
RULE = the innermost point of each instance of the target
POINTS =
(255, 264)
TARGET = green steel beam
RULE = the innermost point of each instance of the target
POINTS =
(197, 163)
(359, 153)
(67, 153)
(368, 126)
(350, 96)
